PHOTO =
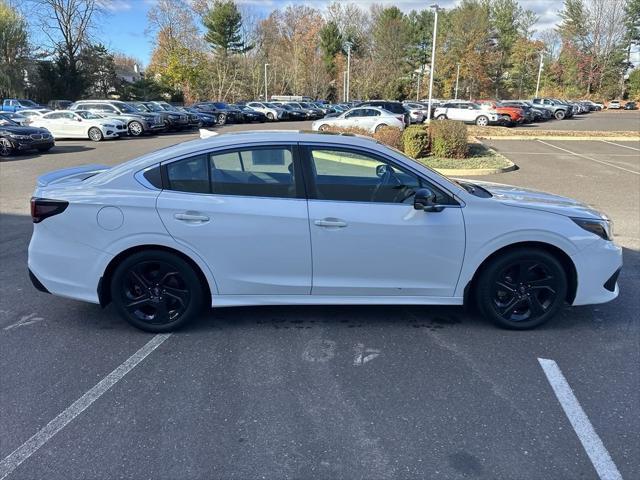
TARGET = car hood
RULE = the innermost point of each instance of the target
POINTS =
(18, 130)
(537, 200)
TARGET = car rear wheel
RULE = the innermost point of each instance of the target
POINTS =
(482, 121)
(380, 127)
(6, 148)
(441, 117)
(521, 289)
(559, 114)
(270, 117)
(95, 134)
(222, 119)
(135, 129)
(156, 291)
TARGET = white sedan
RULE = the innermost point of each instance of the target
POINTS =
(80, 124)
(16, 117)
(34, 114)
(293, 218)
(367, 118)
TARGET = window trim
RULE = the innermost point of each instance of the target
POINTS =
(310, 185)
(299, 179)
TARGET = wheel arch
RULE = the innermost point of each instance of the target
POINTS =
(564, 259)
(104, 290)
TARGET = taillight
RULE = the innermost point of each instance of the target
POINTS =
(42, 208)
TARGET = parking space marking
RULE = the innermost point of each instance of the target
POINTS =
(31, 446)
(590, 440)
(623, 146)
(588, 158)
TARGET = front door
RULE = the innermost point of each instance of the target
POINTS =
(244, 212)
(367, 239)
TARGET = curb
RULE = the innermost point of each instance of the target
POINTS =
(556, 137)
(454, 172)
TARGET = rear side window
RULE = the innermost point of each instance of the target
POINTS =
(189, 175)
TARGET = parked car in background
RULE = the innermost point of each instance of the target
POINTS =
(268, 218)
(250, 115)
(418, 107)
(33, 114)
(466, 112)
(171, 120)
(539, 114)
(630, 106)
(324, 107)
(222, 110)
(293, 113)
(367, 118)
(594, 106)
(557, 109)
(192, 120)
(16, 117)
(614, 105)
(390, 106)
(18, 138)
(310, 112)
(59, 104)
(15, 104)
(138, 122)
(202, 119)
(508, 115)
(527, 111)
(80, 124)
(271, 111)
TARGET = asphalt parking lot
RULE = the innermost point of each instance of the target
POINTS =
(322, 392)
(612, 120)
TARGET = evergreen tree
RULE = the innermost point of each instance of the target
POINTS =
(223, 23)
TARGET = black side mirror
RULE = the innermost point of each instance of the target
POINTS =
(382, 170)
(425, 200)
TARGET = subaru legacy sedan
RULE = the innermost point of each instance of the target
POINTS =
(293, 218)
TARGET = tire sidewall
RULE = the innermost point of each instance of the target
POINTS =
(91, 137)
(484, 123)
(140, 132)
(487, 278)
(10, 149)
(186, 271)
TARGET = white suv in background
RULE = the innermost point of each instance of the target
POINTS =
(466, 112)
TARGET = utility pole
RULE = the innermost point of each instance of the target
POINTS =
(266, 98)
(348, 45)
(539, 73)
(433, 59)
(457, 80)
(344, 86)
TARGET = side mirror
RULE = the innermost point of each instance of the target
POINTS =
(425, 200)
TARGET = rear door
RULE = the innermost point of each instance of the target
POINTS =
(244, 212)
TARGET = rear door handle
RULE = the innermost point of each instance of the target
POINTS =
(331, 222)
(191, 217)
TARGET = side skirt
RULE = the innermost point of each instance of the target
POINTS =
(248, 300)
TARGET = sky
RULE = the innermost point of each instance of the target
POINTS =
(123, 26)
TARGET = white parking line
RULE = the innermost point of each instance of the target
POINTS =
(588, 158)
(590, 440)
(28, 448)
(623, 146)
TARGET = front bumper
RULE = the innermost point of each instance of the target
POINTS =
(597, 268)
(23, 145)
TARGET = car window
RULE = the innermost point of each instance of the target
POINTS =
(260, 172)
(53, 116)
(346, 175)
(189, 175)
(355, 113)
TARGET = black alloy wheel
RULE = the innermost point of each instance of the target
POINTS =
(156, 291)
(522, 289)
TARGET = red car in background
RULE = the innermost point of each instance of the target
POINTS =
(508, 115)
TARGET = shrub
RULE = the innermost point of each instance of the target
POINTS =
(349, 130)
(390, 136)
(415, 141)
(448, 139)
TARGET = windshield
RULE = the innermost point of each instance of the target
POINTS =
(286, 107)
(220, 105)
(27, 103)
(126, 108)
(153, 107)
(5, 121)
(270, 105)
(87, 115)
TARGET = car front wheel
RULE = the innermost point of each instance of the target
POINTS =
(521, 289)
(6, 148)
(482, 121)
(441, 117)
(135, 129)
(156, 291)
(95, 134)
(559, 115)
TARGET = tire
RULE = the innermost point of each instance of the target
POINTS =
(323, 127)
(521, 289)
(95, 134)
(156, 291)
(135, 129)
(270, 117)
(6, 148)
(441, 117)
(559, 114)
(482, 121)
(222, 119)
(380, 127)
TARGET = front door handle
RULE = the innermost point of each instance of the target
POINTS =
(191, 217)
(331, 223)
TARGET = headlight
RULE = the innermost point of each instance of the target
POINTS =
(602, 228)
(19, 137)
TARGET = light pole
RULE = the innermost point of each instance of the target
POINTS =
(457, 80)
(433, 58)
(348, 45)
(539, 73)
(344, 86)
(266, 98)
